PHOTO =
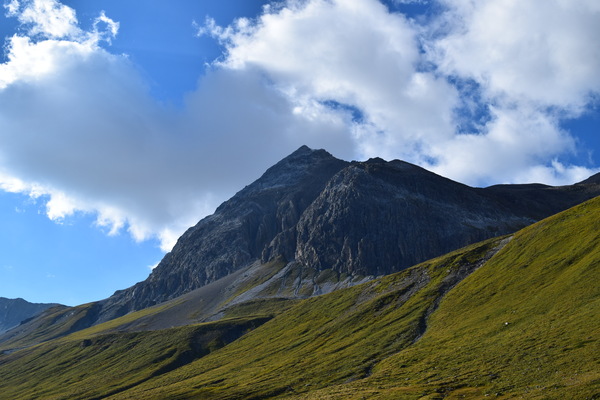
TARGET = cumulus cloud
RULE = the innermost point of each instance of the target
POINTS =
(534, 66)
(79, 127)
(527, 51)
(47, 18)
(529, 65)
(357, 54)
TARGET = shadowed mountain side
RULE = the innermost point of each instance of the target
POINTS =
(14, 311)
(592, 179)
(259, 290)
(236, 234)
(378, 217)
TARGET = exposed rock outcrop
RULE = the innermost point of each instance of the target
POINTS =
(238, 233)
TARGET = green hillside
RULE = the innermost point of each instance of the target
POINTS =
(506, 318)
(96, 366)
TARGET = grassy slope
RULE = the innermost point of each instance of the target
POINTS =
(321, 341)
(92, 363)
(192, 308)
(89, 365)
(525, 324)
(365, 341)
(529, 322)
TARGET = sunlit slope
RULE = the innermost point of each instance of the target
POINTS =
(524, 324)
(324, 340)
(504, 318)
(319, 342)
(527, 323)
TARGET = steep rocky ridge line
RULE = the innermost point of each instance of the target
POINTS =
(354, 218)
(237, 233)
(334, 223)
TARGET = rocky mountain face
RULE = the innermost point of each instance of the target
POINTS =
(14, 311)
(239, 232)
(353, 218)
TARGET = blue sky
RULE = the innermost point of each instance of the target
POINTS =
(123, 123)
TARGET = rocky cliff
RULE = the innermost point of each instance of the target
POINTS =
(239, 232)
(354, 218)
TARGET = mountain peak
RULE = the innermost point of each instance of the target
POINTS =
(375, 160)
(348, 219)
(293, 168)
(304, 149)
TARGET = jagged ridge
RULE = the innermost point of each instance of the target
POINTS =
(360, 219)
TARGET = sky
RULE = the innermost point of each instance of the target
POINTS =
(124, 123)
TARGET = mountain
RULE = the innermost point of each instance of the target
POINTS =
(237, 234)
(310, 225)
(348, 219)
(509, 317)
(13, 311)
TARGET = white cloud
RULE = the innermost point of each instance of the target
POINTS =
(508, 151)
(48, 18)
(411, 1)
(534, 65)
(354, 53)
(528, 66)
(533, 51)
(12, 7)
(78, 125)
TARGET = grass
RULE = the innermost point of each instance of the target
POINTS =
(319, 342)
(75, 367)
(522, 324)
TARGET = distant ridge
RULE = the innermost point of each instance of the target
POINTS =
(14, 311)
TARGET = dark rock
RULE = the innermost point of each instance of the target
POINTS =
(258, 219)
(594, 179)
(379, 218)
